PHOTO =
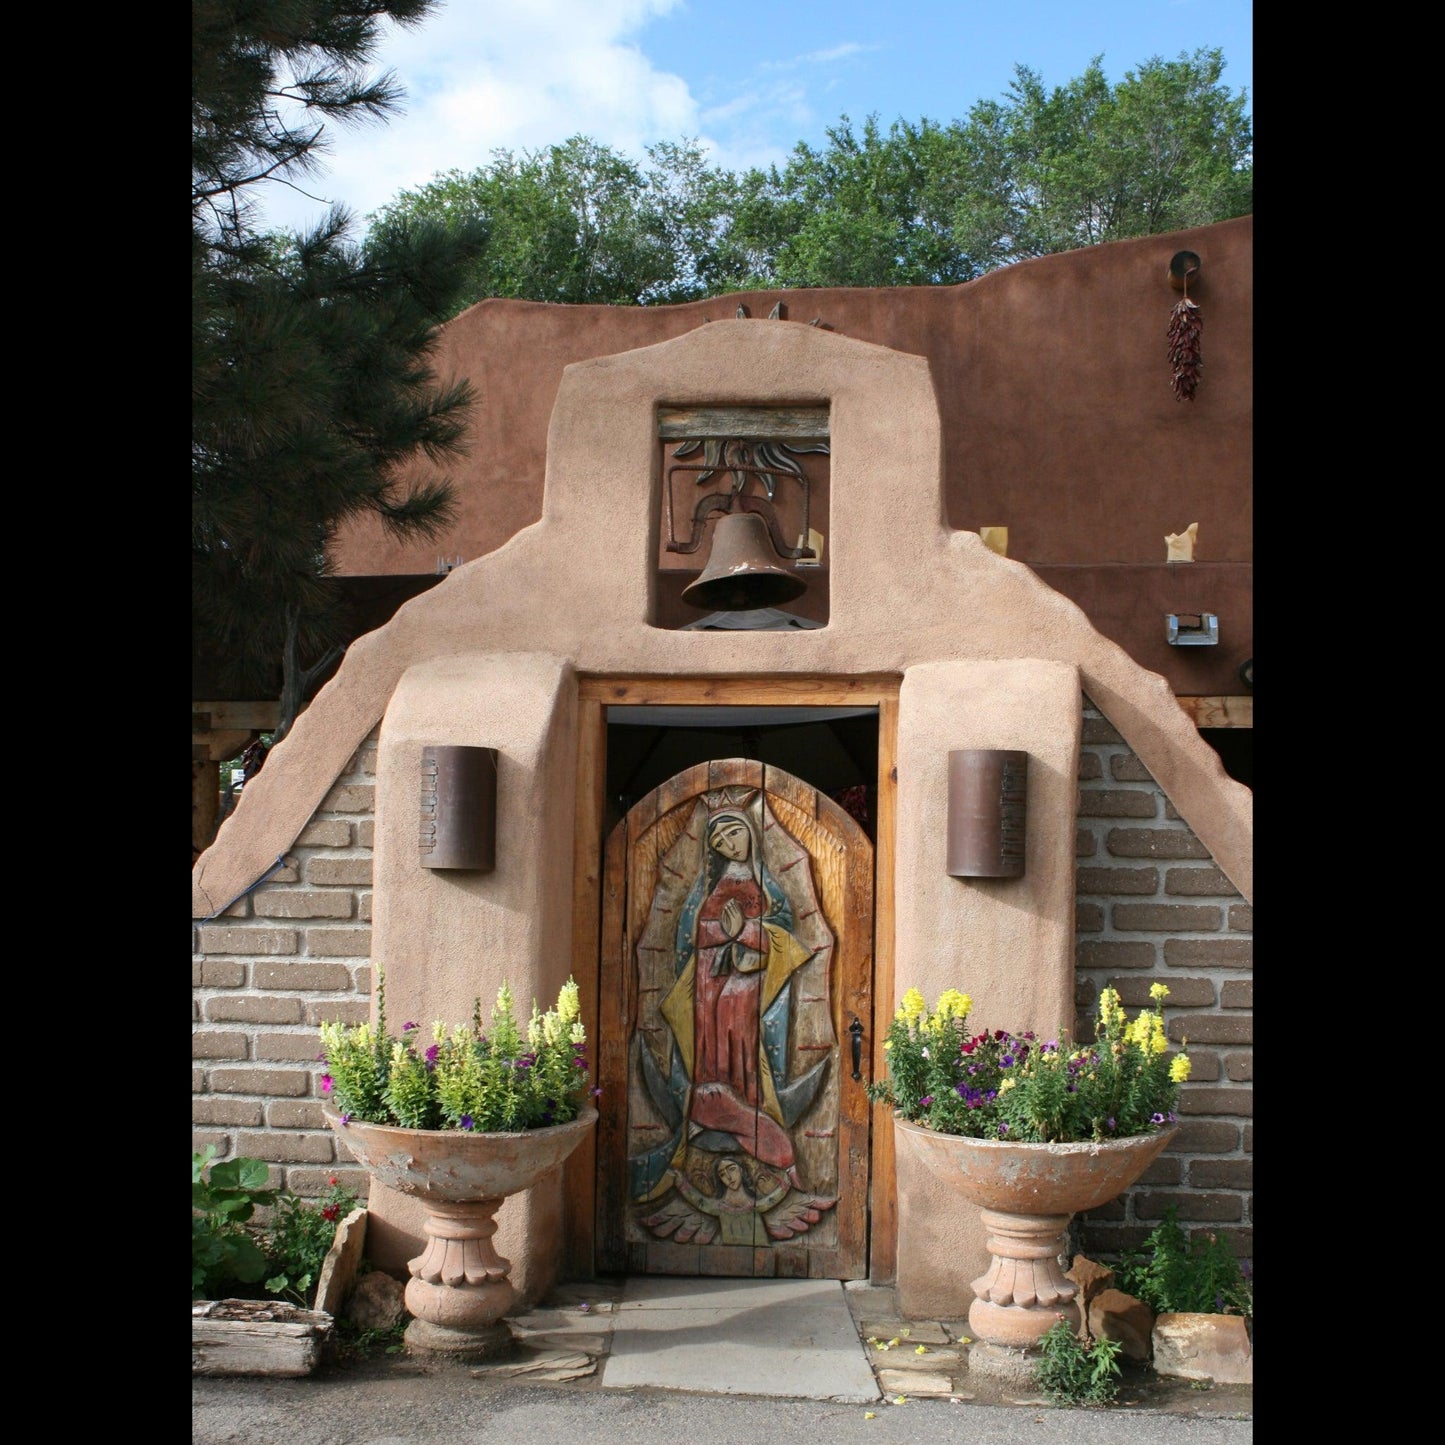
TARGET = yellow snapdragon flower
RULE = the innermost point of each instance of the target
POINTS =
(1179, 1068)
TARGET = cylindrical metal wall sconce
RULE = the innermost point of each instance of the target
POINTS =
(987, 812)
(458, 808)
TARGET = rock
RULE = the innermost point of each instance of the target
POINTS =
(1204, 1347)
(1114, 1315)
(376, 1302)
(343, 1259)
(1090, 1278)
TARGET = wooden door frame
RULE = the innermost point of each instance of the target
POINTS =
(596, 693)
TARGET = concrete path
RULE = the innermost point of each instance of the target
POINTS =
(794, 1339)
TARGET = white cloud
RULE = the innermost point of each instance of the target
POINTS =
(483, 77)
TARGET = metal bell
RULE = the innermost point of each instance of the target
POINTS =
(742, 572)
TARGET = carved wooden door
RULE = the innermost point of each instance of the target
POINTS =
(737, 920)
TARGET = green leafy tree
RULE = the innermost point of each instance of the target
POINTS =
(310, 381)
(579, 222)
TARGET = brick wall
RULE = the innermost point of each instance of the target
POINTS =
(265, 974)
(1151, 907)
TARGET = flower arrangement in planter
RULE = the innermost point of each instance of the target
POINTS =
(1032, 1132)
(496, 1081)
(461, 1119)
(1011, 1086)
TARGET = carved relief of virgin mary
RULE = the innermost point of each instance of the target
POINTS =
(726, 1076)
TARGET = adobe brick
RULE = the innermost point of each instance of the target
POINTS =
(1166, 918)
(1193, 1100)
(1207, 882)
(366, 833)
(223, 973)
(1190, 1206)
(1171, 812)
(215, 938)
(338, 942)
(363, 907)
(1154, 843)
(1239, 1240)
(295, 1114)
(198, 1081)
(1117, 803)
(314, 977)
(1201, 1136)
(1203, 1066)
(1239, 1067)
(337, 1011)
(1241, 918)
(1088, 917)
(1126, 768)
(213, 1044)
(1089, 766)
(288, 1048)
(303, 903)
(201, 1139)
(312, 1183)
(1211, 1028)
(278, 1148)
(349, 872)
(1207, 953)
(1163, 1171)
(1099, 730)
(1111, 881)
(1086, 993)
(196, 971)
(1103, 1242)
(273, 1083)
(350, 798)
(1113, 1210)
(1237, 993)
(245, 1112)
(363, 760)
(1085, 844)
(325, 833)
(1221, 1174)
(1115, 955)
(255, 1009)
(1247, 1142)
(1183, 992)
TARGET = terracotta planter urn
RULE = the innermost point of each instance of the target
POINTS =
(459, 1287)
(1028, 1194)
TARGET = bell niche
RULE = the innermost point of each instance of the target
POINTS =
(744, 516)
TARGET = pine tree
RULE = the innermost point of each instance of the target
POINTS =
(310, 381)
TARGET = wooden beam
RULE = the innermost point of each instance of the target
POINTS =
(228, 716)
(786, 423)
(1220, 712)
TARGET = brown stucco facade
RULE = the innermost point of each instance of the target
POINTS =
(510, 649)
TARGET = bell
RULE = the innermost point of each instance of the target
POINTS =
(742, 571)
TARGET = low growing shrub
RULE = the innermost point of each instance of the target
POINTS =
(1173, 1274)
(1069, 1373)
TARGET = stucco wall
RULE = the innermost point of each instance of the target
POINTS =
(297, 950)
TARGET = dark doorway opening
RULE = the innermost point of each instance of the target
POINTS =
(834, 749)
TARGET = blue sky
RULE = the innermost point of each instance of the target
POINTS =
(747, 78)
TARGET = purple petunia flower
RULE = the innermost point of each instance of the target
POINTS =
(407, 1027)
(430, 1057)
(1002, 1127)
(1006, 1062)
(326, 1083)
(925, 1101)
(1156, 1118)
(1110, 1122)
(596, 1093)
(346, 1118)
(467, 1122)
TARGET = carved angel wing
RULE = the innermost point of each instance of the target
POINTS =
(679, 1221)
(796, 1215)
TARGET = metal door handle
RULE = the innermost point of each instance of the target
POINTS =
(855, 1030)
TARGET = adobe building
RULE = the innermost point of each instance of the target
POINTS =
(974, 486)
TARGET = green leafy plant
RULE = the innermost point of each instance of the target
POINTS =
(501, 1080)
(298, 1238)
(1174, 1274)
(224, 1196)
(1002, 1085)
(1072, 1373)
